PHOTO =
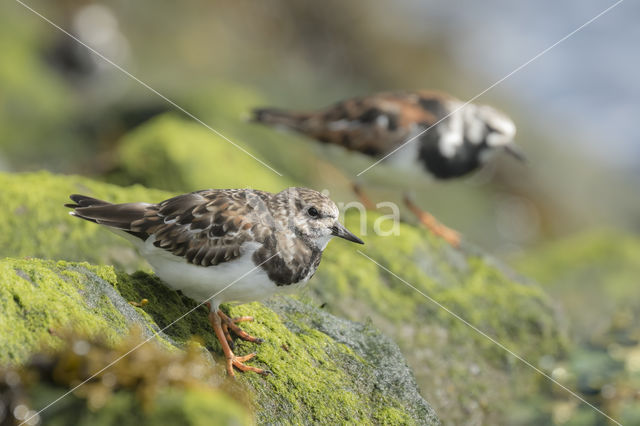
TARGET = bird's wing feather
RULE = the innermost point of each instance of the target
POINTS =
(377, 124)
(207, 227)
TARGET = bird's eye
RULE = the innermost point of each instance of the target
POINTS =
(313, 212)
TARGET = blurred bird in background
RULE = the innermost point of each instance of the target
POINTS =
(428, 131)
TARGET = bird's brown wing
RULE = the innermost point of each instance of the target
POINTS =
(206, 227)
(373, 125)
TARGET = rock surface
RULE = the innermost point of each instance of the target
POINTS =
(144, 384)
(598, 269)
(462, 374)
(325, 369)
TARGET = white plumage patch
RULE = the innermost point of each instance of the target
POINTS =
(475, 127)
(452, 132)
(503, 129)
(382, 121)
(239, 280)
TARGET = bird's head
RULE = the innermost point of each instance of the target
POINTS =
(499, 131)
(314, 217)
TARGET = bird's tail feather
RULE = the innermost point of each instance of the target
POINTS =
(84, 201)
(118, 216)
(280, 118)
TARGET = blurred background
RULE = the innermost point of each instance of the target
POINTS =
(569, 219)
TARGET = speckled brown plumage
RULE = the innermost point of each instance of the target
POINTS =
(378, 124)
(401, 110)
(423, 132)
(211, 226)
(220, 245)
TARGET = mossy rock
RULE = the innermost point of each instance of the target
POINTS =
(325, 369)
(456, 368)
(599, 269)
(174, 154)
(38, 225)
(129, 383)
(177, 154)
(595, 275)
(460, 371)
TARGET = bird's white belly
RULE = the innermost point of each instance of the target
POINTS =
(239, 280)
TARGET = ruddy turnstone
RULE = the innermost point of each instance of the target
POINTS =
(462, 138)
(222, 245)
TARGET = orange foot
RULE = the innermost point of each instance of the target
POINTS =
(230, 324)
(221, 324)
(448, 234)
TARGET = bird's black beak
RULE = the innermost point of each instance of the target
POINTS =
(515, 152)
(340, 231)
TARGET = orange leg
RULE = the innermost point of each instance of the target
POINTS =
(221, 324)
(448, 234)
(230, 324)
(227, 336)
(232, 359)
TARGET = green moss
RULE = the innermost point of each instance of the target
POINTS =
(491, 301)
(179, 155)
(599, 269)
(144, 385)
(312, 364)
(476, 288)
(38, 225)
(595, 275)
(472, 285)
(325, 369)
(175, 153)
(42, 298)
(165, 306)
(390, 416)
(326, 381)
(601, 250)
